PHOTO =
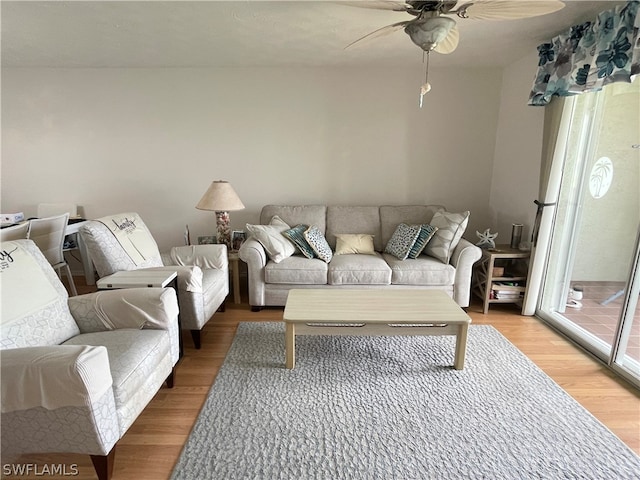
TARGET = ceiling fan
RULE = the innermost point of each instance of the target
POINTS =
(433, 30)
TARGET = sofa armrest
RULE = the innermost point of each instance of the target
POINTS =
(253, 254)
(463, 258)
(54, 376)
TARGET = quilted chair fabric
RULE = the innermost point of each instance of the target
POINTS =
(203, 271)
(73, 379)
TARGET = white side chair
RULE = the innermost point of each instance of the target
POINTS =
(48, 234)
(17, 232)
(53, 209)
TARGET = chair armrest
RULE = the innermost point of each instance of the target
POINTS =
(189, 277)
(463, 258)
(155, 308)
(203, 256)
(54, 376)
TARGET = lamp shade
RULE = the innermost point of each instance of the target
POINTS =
(220, 197)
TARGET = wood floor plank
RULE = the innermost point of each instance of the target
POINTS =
(152, 445)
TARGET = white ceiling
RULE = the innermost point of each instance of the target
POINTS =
(250, 33)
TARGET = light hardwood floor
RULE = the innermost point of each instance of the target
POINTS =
(152, 445)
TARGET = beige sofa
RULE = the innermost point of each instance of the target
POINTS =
(269, 281)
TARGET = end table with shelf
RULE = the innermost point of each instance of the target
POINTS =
(234, 265)
(504, 270)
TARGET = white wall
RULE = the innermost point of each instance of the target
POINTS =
(516, 170)
(151, 140)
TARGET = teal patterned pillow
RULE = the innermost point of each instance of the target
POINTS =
(318, 243)
(402, 240)
(296, 235)
(426, 232)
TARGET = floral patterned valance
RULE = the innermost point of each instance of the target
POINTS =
(590, 55)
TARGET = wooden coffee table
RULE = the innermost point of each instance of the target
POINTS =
(373, 312)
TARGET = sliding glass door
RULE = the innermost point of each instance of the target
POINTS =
(592, 283)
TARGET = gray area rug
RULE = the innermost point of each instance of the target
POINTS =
(393, 408)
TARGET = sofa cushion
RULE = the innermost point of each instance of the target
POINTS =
(450, 227)
(359, 270)
(318, 243)
(402, 240)
(426, 233)
(296, 214)
(277, 246)
(297, 270)
(392, 215)
(354, 243)
(423, 270)
(346, 219)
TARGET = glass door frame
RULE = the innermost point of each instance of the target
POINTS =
(612, 354)
(623, 330)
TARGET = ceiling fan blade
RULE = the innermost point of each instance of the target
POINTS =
(450, 43)
(380, 5)
(507, 9)
(381, 32)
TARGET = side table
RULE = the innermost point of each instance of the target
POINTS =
(234, 263)
(137, 279)
(143, 279)
(500, 275)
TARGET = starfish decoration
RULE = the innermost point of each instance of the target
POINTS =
(486, 239)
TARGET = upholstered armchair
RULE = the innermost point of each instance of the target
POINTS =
(77, 371)
(123, 242)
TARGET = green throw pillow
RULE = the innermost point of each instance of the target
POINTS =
(426, 233)
(296, 235)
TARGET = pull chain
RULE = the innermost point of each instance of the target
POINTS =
(426, 86)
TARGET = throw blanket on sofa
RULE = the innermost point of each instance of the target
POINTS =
(133, 236)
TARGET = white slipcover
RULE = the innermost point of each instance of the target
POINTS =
(76, 372)
(203, 270)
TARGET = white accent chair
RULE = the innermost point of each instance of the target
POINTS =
(16, 232)
(48, 234)
(203, 271)
(77, 371)
(54, 209)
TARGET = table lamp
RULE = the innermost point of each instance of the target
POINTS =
(221, 198)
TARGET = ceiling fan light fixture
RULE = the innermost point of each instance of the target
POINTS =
(427, 33)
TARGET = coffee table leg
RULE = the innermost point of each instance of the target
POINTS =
(461, 347)
(290, 345)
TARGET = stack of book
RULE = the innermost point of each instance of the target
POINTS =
(507, 291)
